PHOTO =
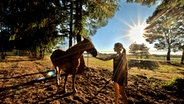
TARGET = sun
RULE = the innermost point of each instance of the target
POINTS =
(136, 31)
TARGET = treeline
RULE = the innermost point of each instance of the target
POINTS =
(37, 26)
(166, 27)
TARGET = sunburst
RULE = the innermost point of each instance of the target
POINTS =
(136, 31)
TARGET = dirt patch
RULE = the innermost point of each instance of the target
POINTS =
(28, 82)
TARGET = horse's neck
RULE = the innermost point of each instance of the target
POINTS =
(78, 48)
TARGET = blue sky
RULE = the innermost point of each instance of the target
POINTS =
(119, 26)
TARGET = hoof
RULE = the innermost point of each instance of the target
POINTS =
(62, 92)
(65, 91)
(59, 87)
(74, 90)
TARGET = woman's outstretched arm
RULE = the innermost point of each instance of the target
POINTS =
(104, 57)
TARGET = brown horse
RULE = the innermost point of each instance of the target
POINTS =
(69, 60)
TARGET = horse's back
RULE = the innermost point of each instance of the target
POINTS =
(58, 52)
(56, 56)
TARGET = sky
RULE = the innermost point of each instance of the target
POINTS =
(125, 27)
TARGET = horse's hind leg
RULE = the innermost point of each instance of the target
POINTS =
(57, 75)
(66, 76)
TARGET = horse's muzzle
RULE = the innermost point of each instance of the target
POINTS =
(93, 52)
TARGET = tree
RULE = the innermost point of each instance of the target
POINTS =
(182, 58)
(143, 2)
(179, 45)
(36, 25)
(32, 24)
(166, 26)
(139, 50)
(4, 43)
(86, 16)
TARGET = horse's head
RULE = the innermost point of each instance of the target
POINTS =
(90, 47)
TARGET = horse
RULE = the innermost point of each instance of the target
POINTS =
(69, 60)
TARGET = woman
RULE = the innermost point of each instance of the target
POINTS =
(119, 71)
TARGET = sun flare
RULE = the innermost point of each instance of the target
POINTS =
(136, 31)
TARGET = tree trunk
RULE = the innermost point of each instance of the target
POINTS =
(82, 65)
(3, 55)
(71, 24)
(141, 55)
(182, 57)
(168, 54)
(41, 53)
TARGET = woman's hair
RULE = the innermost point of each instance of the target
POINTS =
(124, 51)
(119, 45)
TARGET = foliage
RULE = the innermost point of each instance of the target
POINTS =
(174, 84)
(166, 26)
(143, 64)
(139, 50)
(143, 2)
(32, 24)
(4, 41)
(40, 24)
(96, 14)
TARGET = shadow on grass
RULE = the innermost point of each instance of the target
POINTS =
(24, 84)
(56, 96)
(24, 75)
(98, 92)
(11, 91)
(21, 60)
(28, 83)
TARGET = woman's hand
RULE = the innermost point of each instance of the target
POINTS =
(104, 57)
(99, 58)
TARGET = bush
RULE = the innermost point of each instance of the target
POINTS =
(174, 84)
(143, 64)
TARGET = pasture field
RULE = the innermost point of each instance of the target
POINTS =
(165, 71)
(27, 81)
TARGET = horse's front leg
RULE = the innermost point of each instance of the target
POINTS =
(66, 76)
(74, 71)
(73, 80)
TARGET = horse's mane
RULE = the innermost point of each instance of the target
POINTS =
(80, 45)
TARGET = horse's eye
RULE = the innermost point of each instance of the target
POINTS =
(88, 45)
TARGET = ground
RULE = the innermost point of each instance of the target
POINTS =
(27, 81)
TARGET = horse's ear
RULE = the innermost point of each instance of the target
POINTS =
(86, 38)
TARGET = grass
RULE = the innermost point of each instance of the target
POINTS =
(95, 63)
(159, 58)
(161, 73)
(164, 72)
